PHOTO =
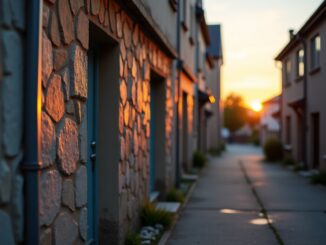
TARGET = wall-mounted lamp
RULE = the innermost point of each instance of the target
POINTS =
(212, 99)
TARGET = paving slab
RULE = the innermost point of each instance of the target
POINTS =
(224, 210)
(211, 227)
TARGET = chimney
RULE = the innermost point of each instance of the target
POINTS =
(291, 33)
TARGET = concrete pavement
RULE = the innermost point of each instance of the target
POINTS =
(226, 206)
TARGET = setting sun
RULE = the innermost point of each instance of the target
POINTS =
(256, 106)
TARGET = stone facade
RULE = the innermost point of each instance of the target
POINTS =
(63, 183)
(12, 36)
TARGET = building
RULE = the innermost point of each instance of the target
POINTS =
(269, 120)
(303, 104)
(91, 94)
(214, 60)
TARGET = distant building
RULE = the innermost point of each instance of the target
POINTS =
(303, 92)
(214, 59)
(269, 121)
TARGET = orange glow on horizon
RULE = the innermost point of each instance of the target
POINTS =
(256, 106)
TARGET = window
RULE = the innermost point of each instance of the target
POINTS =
(184, 14)
(287, 71)
(315, 52)
(300, 63)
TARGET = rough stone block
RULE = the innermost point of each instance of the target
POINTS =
(50, 196)
(18, 207)
(95, 7)
(46, 237)
(123, 92)
(48, 141)
(66, 21)
(6, 234)
(54, 30)
(83, 224)
(81, 186)
(54, 101)
(66, 83)
(60, 58)
(47, 59)
(82, 29)
(65, 230)
(68, 194)
(12, 93)
(68, 148)
(76, 5)
(45, 15)
(5, 183)
(5, 13)
(127, 34)
(78, 63)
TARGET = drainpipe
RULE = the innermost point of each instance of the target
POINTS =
(305, 103)
(179, 68)
(32, 116)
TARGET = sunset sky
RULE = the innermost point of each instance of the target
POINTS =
(254, 31)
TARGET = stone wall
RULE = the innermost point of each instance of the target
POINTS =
(63, 182)
(12, 28)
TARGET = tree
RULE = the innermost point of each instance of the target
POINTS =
(235, 114)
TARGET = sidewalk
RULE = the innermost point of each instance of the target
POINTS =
(224, 209)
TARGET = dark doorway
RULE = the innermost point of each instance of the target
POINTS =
(315, 139)
(157, 132)
(102, 137)
(92, 120)
(184, 131)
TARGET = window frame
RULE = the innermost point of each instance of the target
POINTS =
(300, 60)
(315, 53)
(287, 73)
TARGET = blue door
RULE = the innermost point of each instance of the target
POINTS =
(152, 141)
(92, 116)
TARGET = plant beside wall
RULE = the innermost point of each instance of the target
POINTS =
(133, 239)
(318, 179)
(289, 161)
(199, 159)
(175, 195)
(273, 150)
(151, 216)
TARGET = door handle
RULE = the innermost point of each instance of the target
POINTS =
(93, 144)
(93, 157)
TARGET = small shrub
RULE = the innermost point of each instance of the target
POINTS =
(297, 167)
(319, 178)
(255, 140)
(289, 161)
(132, 239)
(199, 159)
(175, 195)
(150, 216)
(214, 151)
(273, 150)
(222, 147)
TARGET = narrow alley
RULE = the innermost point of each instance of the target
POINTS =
(227, 204)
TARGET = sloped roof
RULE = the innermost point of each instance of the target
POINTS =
(318, 16)
(272, 100)
(215, 47)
